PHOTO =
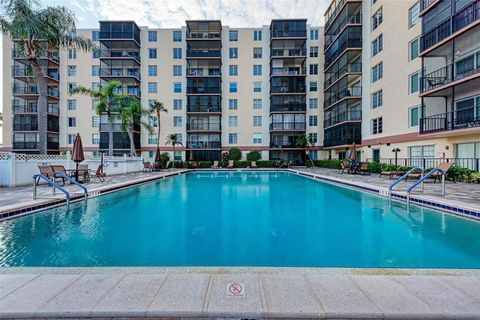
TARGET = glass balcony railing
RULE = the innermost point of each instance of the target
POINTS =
(332, 34)
(25, 126)
(200, 72)
(289, 52)
(25, 145)
(120, 72)
(28, 90)
(204, 144)
(343, 140)
(289, 71)
(204, 126)
(350, 92)
(120, 54)
(288, 89)
(348, 68)
(23, 107)
(204, 108)
(213, 53)
(286, 107)
(28, 72)
(204, 35)
(292, 126)
(343, 117)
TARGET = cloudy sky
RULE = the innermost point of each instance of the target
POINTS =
(173, 13)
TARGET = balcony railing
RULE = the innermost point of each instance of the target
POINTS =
(353, 92)
(285, 143)
(287, 107)
(202, 90)
(33, 90)
(461, 19)
(454, 120)
(108, 35)
(289, 71)
(120, 54)
(445, 75)
(23, 107)
(289, 34)
(287, 126)
(425, 4)
(209, 126)
(204, 53)
(343, 140)
(332, 55)
(25, 127)
(204, 145)
(27, 72)
(200, 72)
(120, 72)
(203, 108)
(351, 19)
(106, 127)
(343, 117)
(53, 144)
(289, 52)
(351, 67)
(25, 145)
(204, 35)
(427, 162)
(288, 89)
(334, 13)
(51, 55)
(53, 108)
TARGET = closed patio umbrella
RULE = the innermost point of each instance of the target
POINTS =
(353, 153)
(77, 154)
(157, 155)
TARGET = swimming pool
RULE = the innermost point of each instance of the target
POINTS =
(240, 219)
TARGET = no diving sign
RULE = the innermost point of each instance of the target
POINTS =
(235, 290)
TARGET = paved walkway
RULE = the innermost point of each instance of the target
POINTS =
(310, 296)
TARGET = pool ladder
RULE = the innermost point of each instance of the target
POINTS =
(54, 185)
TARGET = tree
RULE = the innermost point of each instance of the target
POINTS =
(157, 108)
(172, 139)
(33, 27)
(131, 113)
(234, 154)
(304, 141)
(254, 156)
(108, 103)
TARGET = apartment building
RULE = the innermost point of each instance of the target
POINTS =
(251, 88)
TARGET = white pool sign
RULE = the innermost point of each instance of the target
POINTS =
(235, 290)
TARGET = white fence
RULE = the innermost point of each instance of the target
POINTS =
(18, 169)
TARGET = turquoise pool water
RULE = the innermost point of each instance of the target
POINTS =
(240, 219)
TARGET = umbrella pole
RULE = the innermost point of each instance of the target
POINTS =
(76, 173)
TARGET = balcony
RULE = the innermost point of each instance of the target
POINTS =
(203, 90)
(288, 53)
(441, 78)
(343, 117)
(204, 145)
(289, 107)
(350, 38)
(106, 127)
(213, 53)
(31, 90)
(23, 107)
(204, 35)
(289, 71)
(25, 126)
(49, 55)
(348, 68)
(18, 71)
(460, 119)
(120, 73)
(343, 140)
(203, 72)
(287, 126)
(204, 108)
(204, 126)
(25, 145)
(350, 92)
(461, 19)
(424, 4)
(350, 19)
(53, 108)
(120, 54)
(282, 141)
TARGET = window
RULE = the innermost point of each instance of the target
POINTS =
(422, 151)
(414, 48)
(152, 36)
(377, 19)
(95, 35)
(313, 52)
(72, 122)
(96, 87)
(177, 155)
(72, 54)
(72, 71)
(413, 116)
(313, 137)
(152, 53)
(233, 70)
(257, 104)
(95, 71)
(314, 34)
(377, 45)
(152, 138)
(257, 138)
(257, 35)
(312, 121)
(72, 104)
(257, 121)
(177, 104)
(177, 71)
(257, 53)
(377, 72)
(177, 36)
(94, 104)
(232, 138)
(96, 53)
(153, 121)
(71, 138)
(232, 121)
(257, 86)
(177, 53)
(313, 103)
(71, 86)
(95, 138)
(257, 69)
(413, 14)
(414, 82)
(233, 53)
(233, 35)
(313, 86)
(95, 121)
(314, 69)
(152, 87)
(152, 71)
(233, 104)
(177, 87)
(377, 99)
(233, 87)
(377, 125)
(177, 122)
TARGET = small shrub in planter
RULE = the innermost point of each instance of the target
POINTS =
(266, 164)
(205, 164)
(254, 156)
(234, 154)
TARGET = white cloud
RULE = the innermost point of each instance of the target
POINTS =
(173, 13)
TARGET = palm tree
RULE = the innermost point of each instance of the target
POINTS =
(131, 113)
(157, 108)
(173, 140)
(304, 141)
(108, 103)
(32, 27)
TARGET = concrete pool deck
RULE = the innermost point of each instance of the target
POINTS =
(294, 295)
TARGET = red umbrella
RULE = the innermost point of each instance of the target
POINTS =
(157, 155)
(77, 153)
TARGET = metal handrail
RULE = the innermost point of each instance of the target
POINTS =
(405, 176)
(61, 174)
(422, 180)
(50, 182)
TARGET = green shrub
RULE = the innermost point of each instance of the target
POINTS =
(241, 164)
(205, 164)
(254, 155)
(375, 167)
(266, 164)
(164, 158)
(474, 177)
(234, 154)
(459, 174)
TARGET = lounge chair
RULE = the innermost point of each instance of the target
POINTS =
(389, 174)
(231, 164)
(100, 174)
(363, 169)
(215, 164)
(194, 164)
(444, 166)
(344, 167)
(147, 166)
(84, 172)
(253, 165)
(60, 169)
(45, 171)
